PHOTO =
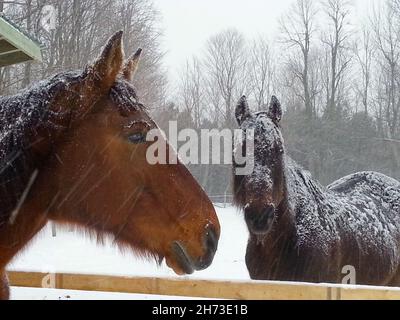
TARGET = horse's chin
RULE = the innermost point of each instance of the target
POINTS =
(179, 261)
(175, 266)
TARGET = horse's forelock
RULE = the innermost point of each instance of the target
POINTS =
(123, 95)
(265, 145)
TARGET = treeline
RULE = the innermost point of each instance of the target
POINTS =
(339, 83)
(338, 79)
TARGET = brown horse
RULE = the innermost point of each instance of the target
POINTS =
(302, 231)
(73, 150)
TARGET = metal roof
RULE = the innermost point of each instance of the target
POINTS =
(16, 45)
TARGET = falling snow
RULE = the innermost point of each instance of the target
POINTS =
(361, 210)
(21, 118)
(364, 205)
(27, 110)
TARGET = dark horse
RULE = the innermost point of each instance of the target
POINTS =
(302, 231)
(73, 150)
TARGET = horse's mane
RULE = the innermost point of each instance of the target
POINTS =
(23, 115)
(300, 180)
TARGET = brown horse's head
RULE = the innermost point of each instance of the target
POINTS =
(98, 176)
(261, 192)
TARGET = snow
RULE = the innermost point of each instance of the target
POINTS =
(351, 222)
(267, 137)
(54, 294)
(70, 252)
(364, 205)
(27, 119)
(30, 108)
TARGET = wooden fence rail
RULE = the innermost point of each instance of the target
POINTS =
(254, 290)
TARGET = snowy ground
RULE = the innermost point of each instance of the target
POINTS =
(73, 253)
(51, 294)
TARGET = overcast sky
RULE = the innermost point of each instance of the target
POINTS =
(189, 23)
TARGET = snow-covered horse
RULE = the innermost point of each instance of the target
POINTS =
(302, 231)
(73, 150)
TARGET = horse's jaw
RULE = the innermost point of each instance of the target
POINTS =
(183, 263)
(179, 260)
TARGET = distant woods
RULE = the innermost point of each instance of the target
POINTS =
(81, 29)
(338, 77)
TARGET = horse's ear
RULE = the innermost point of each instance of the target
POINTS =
(242, 111)
(275, 110)
(131, 65)
(108, 65)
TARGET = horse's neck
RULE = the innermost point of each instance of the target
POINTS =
(302, 194)
(28, 129)
(300, 187)
(300, 190)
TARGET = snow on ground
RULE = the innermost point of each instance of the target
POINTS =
(53, 294)
(70, 252)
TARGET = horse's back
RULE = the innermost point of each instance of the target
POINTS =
(371, 200)
(369, 223)
(368, 182)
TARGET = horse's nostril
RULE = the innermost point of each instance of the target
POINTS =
(211, 245)
(259, 217)
(260, 222)
(211, 239)
(269, 211)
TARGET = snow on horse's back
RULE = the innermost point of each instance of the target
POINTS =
(303, 231)
(374, 181)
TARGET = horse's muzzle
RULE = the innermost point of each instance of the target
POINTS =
(260, 222)
(187, 263)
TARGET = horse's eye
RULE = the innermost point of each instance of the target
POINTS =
(137, 138)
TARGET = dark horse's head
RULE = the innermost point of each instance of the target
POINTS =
(261, 192)
(83, 161)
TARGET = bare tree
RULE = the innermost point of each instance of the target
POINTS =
(364, 51)
(387, 38)
(214, 102)
(297, 30)
(191, 90)
(225, 63)
(386, 28)
(261, 72)
(82, 28)
(28, 65)
(337, 41)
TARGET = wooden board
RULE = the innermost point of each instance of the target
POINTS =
(246, 290)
